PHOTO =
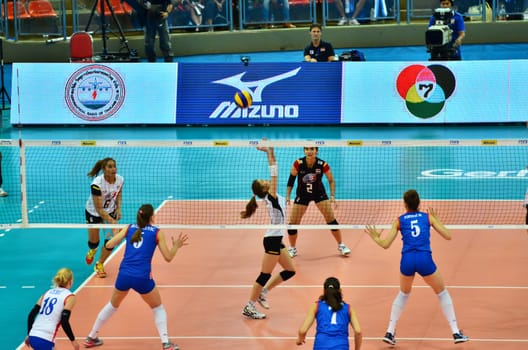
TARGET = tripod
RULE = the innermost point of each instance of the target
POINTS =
(3, 91)
(130, 54)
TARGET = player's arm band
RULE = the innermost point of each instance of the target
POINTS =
(65, 323)
(31, 317)
(274, 170)
(291, 180)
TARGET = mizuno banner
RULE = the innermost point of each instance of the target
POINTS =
(282, 93)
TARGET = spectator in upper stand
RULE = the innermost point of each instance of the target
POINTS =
(156, 22)
(458, 27)
(318, 50)
(215, 13)
(341, 9)
(285, 6)
(357, 10)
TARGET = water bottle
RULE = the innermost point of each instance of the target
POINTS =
(502, 13)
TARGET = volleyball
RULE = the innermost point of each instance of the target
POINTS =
(243, 99)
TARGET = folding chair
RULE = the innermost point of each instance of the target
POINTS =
(41, 9)
(81, 47)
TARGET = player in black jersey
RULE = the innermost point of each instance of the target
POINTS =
(309, 171)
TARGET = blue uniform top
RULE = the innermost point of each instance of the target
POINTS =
(137, 260)
(415, 229)
(332, 327)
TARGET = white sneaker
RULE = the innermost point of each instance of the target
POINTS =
(2, 192)
(342, 21)
(251, 311)
(353, 22)
(292, 251)
(343, 249)
(263, 301)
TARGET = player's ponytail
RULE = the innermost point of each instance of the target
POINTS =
(332, 293)
(143, 217)
(99, 165)
(251, 207)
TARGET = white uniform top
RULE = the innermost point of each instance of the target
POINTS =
(48, 319)
(277, 212)
(109, 193)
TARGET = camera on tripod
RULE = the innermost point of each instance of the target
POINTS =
(438, 36)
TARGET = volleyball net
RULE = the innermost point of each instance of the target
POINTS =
(206, 184)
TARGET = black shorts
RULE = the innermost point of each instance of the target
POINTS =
(91, 219)
(273, 245)
(306, 200)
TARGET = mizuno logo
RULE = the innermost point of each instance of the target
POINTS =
(229, 110)
(255, 87)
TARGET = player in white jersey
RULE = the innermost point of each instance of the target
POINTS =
(103, 206)
(274, 250)
(52, 310)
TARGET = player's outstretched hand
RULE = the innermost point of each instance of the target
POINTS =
(180, 241)
(372, 232)
(432, 212)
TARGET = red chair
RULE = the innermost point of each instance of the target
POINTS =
(81, 47)
(41, 9)
(127, 8)
(116, 5)
(21, 11)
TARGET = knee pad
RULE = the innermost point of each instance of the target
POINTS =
(292, 232)
(106, 241)
(93, 245)
(333, 223)
(263, 278)
(286, 275)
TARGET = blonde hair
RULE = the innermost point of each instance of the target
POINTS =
(62, 277)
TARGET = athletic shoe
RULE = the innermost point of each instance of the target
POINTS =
(90, 256)
(353, 22)
(170, 346)
(343, 249)
(292, 251)
(263, 301)
(2, 192)
(92, 342)
(342, 21)
(389, 338)
(251, 311)
(460, 337)
(99, 270)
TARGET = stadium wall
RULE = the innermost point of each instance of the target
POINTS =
(261, 40)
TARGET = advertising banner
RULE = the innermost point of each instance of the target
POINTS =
(80, 93)
(435, 92)
(282, 93)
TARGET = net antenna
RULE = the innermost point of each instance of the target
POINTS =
(128, 54)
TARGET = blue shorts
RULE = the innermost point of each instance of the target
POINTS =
(417, 262)
(40, 344)
(140, 285)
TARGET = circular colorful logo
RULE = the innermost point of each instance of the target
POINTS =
(95, 92)
(425, 89)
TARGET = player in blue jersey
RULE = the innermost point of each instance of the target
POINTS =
(135, 272)
(333, 316)
(274, 250)
(51, 310)
(415, 228)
